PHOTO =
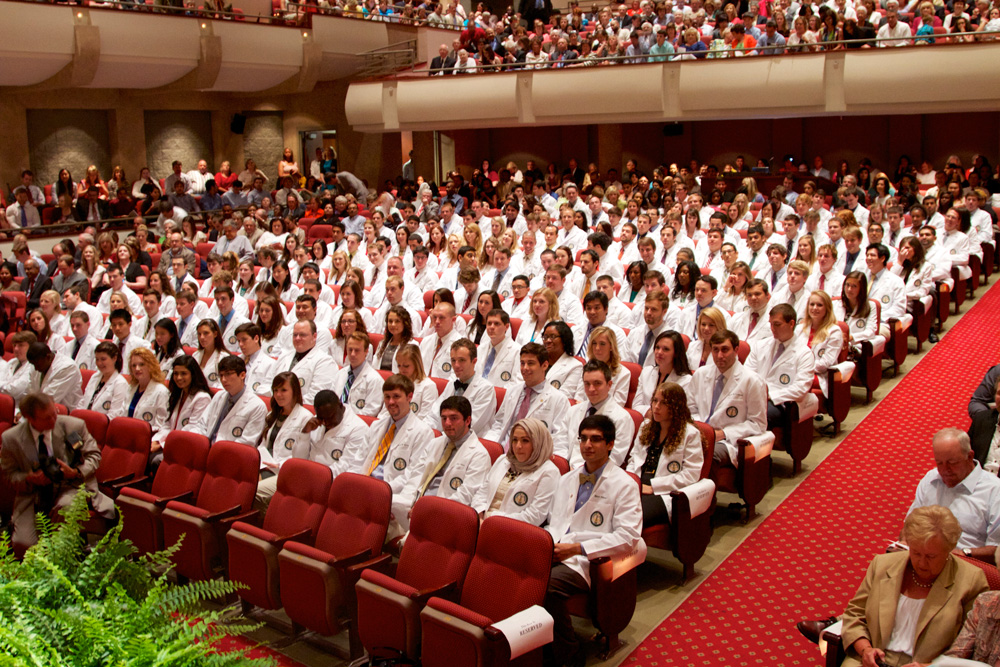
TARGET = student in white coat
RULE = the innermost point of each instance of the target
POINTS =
(857, 311)
(565, 371)
(751, 325)
(210, 351)
(570, 309)
(497, 361)
(305, 309)
(190, 397)
(312, 365)
(147, 395)
(884, 287)
(425, 391)
(15, 375)
(358, 384)
(667, 455)
(234, 414)
(76, 302)
(454, 466)
(596, 512)
(705, 290)
(393, 298)
(166, 345)
(670, 365)
(822, 335)
(595, 306)
(188, 317)
(639, 345)
(522, 483)
(436, 348)
(465, 382)
(54, 374)
(229, 320)
(785, 364)
(793, 291)
(534, 397)
(915, 272)
(120, 323)
(284, 433)
(81, 349)
(260, 367)
(335, 435)
(597, 386)
(107, 389)
(735, 405)
(518, 306)
(826, 277)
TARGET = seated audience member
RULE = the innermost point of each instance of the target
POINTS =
(465, 382)
(793, 291)
(983, 434)
(284, 433)
(597, 388)
(190, 396)
(596, 512)
(885, 287)
(822, 335)
(595, 305)
(670, 365)
(784, 363)
(117, 282)
(655, 322)
(751, 325)
(15, 375)
(166, 345)
(699, 352)
(728, 397)
(544, 309)
(522, 484)
(147, 397)
(121, 326)
(705, 289)
(454, 466)
(826, 277)
(603, 347)
(335, 435)
(425, 392)
(927, 587)
(358, 384)
(977, 638)
(38, 322)
(398, 333)
(76, 302)
(856, 311)
(260, 367)
(668, 455)
(81, 349)
(35, 491)
(971, 493)
(54, 375)
(436, 348)
(210, 351)
(234, 414)
(311, 364)
(393, 447)
(497, 359)
(565, 372)
(107, 389)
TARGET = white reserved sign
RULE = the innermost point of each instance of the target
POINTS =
(526, 630)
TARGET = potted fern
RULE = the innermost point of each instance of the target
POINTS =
(67, 606)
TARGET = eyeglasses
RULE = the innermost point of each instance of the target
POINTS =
(550, 336)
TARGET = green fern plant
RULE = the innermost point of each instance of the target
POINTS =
(65, 606)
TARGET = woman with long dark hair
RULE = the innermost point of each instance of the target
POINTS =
(284, 433)
(189, 398)
(398, 332)
(210, 349)
(670, 365)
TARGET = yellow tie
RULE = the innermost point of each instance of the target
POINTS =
(449, 449)
(383, 448)
(586, 287)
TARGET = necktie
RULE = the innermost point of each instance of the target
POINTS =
(149, 325)
(822, 281)
(591, 411)
(449, 450)
(93, 213)
(663, 260)
(468, 302)
(646, 344)
(708, 262)
(100, 386)
(374, 275)
(490, 358)
(753, 258)
(222, 323)
(789, 246)
(347, 386)
(716, 393)
(43, 452)
(24, 217)
(777, 353)
(586, 287)
(754, 317)
(774, 279)
(121, 349)
(226, 407)
(383, 448)
(76, 348)
(180, 283)
(496, 281)
(460, 387)
(584, 478)
(180, 332)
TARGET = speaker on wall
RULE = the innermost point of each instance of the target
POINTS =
(673, 129)
(238, 124)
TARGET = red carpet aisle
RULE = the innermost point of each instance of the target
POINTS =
(807, 558)
(235, 643)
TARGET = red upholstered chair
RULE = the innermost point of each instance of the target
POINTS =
(317, 582)
(124, 455)
(750, 478)
(225, 497)
(795, 434)
(560, 463)
(294, 513)
(976, 265)
(428, 300)
(515, 326)
(433, 563)
(838, 378)
(441, 384)
(957, 295)
(511, 556)
(896, 347)
(324, 232)
(179, 476)
(375, 339)
(97, 424)
(923, 319)
(204, 249)
(690, 530)
(633, 383)
(20, 302)
(869, 364)
(500, 392)
(85, 373)
(6, 408)
(494, 448)
(742, 352)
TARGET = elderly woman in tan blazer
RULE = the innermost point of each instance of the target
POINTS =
(912, 604)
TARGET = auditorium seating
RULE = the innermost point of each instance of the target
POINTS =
(750, 478)
(124, 455)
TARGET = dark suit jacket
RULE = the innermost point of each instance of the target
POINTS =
(42, 284)
(437, 63)
(83, 209)
(984, 425)
(19, 458)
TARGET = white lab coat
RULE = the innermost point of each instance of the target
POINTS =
(549, 405)
(96, 323)
(15, 382)
(110, 400)
(366, 391)
(889, 291)
(291, 437)
(324, 341)
(674, 471)
(211, 367)
(260, 373)
(761, 332)
(624, 431)
(85, 360)
(425, 394)
(528, 498)
(378, 324)
(336, 449)
(833, 282)
(580, 333)
(133, 342)
(920, 282)
(825, 353)
(619, 387)
(402, 460)
(190, 336)
(506, 369)
(185, 418)
(63, 382)
(167, 363)
(480, 394)
(438, 365)
(860, 328)
(648, 381)
(229, 335)
(152, 407)
(798, 301)
(566, 375)
(790, 376)
(243, 424)
(145, 326)
(686, 322)
(608, 524)
(741, 411)
(316, 371)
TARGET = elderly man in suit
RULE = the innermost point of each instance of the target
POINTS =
(49, 458)
(34, 283)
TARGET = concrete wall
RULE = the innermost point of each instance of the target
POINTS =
(263, 143)
(177, 135)
(70, 139)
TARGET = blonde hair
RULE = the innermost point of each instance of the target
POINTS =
(829, 321)
(155, 373)
(925, 523)
(412, 352)
(715, 315)
(614, 360)
(553, 300)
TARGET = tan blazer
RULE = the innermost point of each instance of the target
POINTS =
(871, 613)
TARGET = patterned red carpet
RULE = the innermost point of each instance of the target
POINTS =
(807, 558)
(235, 643)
